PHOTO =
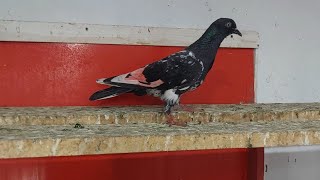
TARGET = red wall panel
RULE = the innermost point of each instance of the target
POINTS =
(59, 74)
(232, 164)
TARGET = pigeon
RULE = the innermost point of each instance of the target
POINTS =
(175, 74)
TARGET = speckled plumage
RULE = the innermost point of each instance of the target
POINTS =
(174, 75)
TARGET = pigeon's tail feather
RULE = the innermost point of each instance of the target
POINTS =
(108, 93)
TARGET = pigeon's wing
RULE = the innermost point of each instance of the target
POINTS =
(132, 79)
(177, 70)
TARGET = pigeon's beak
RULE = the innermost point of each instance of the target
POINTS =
(236, 31)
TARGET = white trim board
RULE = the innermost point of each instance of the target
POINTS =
(291, 149)
(112, 34)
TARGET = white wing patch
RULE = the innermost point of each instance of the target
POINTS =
(101, 81)
(192, 54)
(184, 88)
(201, 63)
(121, 79)
(108, 97)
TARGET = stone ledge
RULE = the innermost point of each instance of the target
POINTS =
(40, 141)
(153, 114)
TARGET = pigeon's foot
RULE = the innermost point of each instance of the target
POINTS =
(171, 121)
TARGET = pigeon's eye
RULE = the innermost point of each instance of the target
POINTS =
(228, 24)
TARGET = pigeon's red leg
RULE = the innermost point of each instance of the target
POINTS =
(170, 118)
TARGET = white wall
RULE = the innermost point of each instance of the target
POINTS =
(287, 60)
(292, 163)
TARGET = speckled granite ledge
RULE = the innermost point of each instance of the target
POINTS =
(39, 141)
(153, 114)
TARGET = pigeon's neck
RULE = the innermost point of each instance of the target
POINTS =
(206, 47)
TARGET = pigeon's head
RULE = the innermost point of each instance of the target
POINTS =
(226, 25)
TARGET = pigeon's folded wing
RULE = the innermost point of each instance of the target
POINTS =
(178, 69)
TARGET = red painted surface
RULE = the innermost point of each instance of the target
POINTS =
(58, 74)
(232, 164)
(256, 164)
